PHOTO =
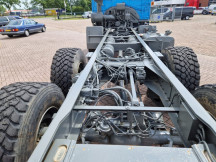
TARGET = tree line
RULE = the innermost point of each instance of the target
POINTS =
(75, 5)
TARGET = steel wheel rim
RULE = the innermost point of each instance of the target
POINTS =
(26, 33)
(41, 123)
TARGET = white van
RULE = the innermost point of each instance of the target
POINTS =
(211, 8)
(213, 11)
(87, 14)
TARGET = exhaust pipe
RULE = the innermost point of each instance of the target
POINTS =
(99, 5)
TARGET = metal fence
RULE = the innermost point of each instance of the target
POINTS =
(162, 13)
(158, 14)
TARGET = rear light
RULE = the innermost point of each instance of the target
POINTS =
(15, 30)
(1, 30)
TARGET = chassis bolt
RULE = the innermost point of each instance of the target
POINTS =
(127, 107)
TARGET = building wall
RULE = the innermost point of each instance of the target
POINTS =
(191, 3)
(169, 2)
(203, 3)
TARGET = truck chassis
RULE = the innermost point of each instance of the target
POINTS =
(124, 54)
(187, 115)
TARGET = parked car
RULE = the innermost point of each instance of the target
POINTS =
(86, 14)
(211, 7)
(35, 14)
(4, 20)
(213, 11)
(22, 27)
(184, 13)
(15, 13)
(39, 14)
(16, 17)
(201, 10)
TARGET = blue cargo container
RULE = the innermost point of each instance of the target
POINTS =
(141, 6)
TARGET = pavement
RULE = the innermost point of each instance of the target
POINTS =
(28, 59)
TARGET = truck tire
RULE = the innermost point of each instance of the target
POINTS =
(182, 61)
(206, 95)
(67, 62)
(25, 108)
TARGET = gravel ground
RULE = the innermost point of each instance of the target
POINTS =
(29, 58)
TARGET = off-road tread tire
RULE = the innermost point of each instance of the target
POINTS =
(62, 67)
(15, 100)
(183, 62)
(206, 95)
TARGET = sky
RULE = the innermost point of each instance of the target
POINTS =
(21, 5)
